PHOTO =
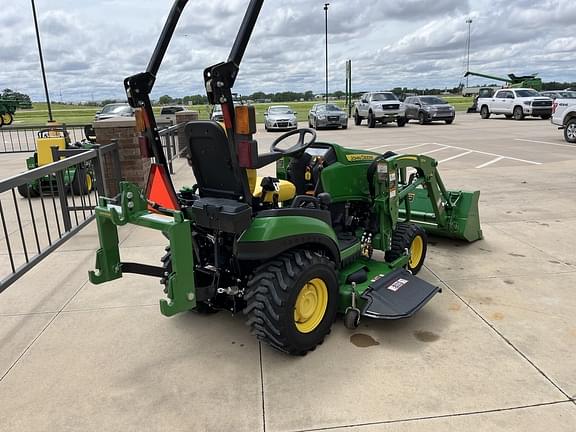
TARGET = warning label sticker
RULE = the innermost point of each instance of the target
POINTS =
(397, 285)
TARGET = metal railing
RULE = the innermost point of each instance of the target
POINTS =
(17, 139)
(171, 145)
(44, 207)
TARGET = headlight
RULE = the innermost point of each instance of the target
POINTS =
(429, 108)
(321, 116)
(527, 102)
(451, 107)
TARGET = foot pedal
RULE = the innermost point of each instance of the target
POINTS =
(397, 295)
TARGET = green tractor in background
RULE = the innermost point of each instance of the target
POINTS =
(77, 179)
(336, 231)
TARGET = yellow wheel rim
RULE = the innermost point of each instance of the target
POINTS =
(310, 305)
(416, 251)
(6, 118)
(88, 182)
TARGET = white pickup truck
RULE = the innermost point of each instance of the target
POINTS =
(517, 103)
(564, 116)
(381, 107)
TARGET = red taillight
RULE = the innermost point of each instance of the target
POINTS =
(159, 190)
(245, 154)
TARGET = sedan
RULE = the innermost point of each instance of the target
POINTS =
(327, 115)
(427, 109)
(279, 117)
(114, 110)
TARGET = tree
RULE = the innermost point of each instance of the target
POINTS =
(165, 100)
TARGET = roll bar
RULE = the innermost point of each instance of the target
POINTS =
(218, 78)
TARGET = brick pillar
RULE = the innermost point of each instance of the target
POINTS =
(134, 168)
(182, 118)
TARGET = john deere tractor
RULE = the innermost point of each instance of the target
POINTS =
(336, 231)
(7, 110)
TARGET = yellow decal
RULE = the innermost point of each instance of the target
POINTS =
(407, 157)
(360, 157)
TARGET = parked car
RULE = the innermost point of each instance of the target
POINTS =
(327, 115)
(279, 117)
(216, 114)
(379, 107)
(564, 116)
(427, 109)
(114, 110)
(168, 113)
(517, 103)
(559, 94)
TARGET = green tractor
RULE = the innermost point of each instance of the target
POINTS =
(7, 110)
(77, 179)
(336, 231)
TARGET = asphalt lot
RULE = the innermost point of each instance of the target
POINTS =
(494, 352)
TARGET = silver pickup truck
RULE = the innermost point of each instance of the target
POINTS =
(379, 107)
(564, 115)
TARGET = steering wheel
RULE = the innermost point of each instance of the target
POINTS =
(300, 144)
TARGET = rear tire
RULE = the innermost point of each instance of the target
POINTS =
(545, 116)
(292, 300)
(518, 113)
(412, 237)
(570, 131)
(401, 121)
(484, 112)
(371, 120)
(357, 119)
(450, 121)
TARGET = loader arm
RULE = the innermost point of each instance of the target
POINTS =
(422, 198)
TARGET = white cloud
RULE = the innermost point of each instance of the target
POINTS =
(90, 47)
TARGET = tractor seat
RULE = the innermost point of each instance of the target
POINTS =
(286, 191)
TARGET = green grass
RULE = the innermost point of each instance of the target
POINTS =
(75, 114)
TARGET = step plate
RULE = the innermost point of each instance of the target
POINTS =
(397, 295)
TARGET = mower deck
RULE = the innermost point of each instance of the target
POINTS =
(397, 295)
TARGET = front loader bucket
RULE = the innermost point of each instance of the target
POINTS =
(459, 220)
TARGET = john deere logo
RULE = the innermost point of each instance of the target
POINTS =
(360, 157)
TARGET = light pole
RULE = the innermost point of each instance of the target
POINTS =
(42, 62)
(469, 22)
(326, 34)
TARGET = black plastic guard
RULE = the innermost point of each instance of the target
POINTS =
(397, 295)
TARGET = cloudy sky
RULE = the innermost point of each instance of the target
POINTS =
(91, 45)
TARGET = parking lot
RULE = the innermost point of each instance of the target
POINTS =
(494, 352)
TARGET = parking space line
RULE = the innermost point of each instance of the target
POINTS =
(490, 162)
(545, 142)
(414, 146)
(390, 145)
(455, 157)
(493, 154)
(435, 150)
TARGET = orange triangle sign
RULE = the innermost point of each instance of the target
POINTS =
(159, 189)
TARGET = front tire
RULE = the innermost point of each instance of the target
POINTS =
(450, 121)
(292, 300)
(371, 120)
(82, 183)
(570, 131)
(546, 116)
(411, 237)
(421, 118)
(357, 119)
(484, 112)
(7, 119)
(518, 113)
(401, 121)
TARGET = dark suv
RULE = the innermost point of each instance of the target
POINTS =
(427, 109)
